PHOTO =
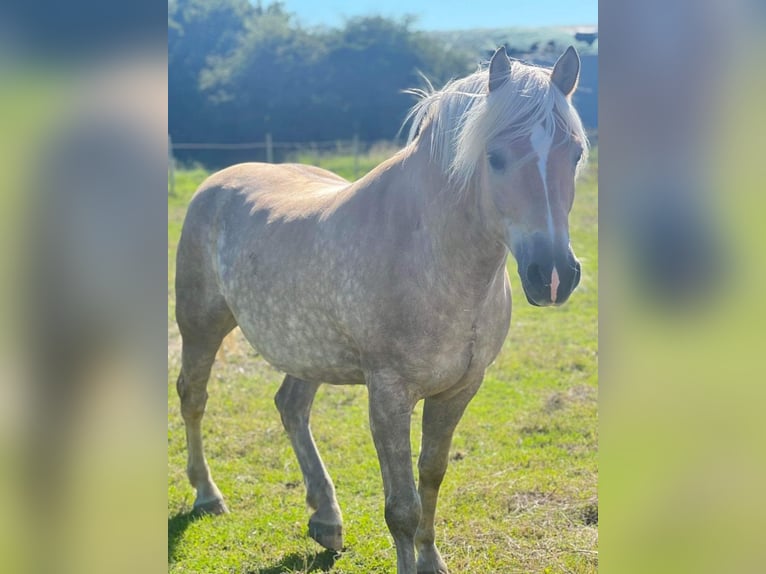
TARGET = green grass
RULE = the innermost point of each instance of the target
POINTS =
(520, 493)
(344, 164)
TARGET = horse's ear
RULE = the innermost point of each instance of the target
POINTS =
(566, 71)
(499, 69)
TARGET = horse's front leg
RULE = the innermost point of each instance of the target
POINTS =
(441, 415)
(390, 415)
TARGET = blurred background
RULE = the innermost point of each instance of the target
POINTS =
(90, 92)
(681, 382)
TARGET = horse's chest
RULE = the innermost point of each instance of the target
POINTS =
(452, 342)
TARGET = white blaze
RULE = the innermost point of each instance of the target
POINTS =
(554, 284)
(541, 142)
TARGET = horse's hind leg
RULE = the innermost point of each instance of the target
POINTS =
(294, 400)
(202, 334)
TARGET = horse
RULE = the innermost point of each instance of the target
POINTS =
(396, 281)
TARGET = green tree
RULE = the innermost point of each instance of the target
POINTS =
(200, 32)
(269, 82)
(372, 59)
(238, 71)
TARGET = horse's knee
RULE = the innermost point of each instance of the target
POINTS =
(403, 513)
(431, 469)
(431, 472)
(193, 400)
(432, 464)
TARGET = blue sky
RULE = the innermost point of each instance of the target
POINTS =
(452, 14)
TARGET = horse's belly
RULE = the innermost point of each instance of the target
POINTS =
(303, 344)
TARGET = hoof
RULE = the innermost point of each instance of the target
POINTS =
(214, 507)
(328, 535)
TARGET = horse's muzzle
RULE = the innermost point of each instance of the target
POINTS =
(548, 275)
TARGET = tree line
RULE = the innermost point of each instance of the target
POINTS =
(238, 71)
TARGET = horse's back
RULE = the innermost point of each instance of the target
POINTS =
(282, 192)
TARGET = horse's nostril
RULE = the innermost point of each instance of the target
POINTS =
(535, 274)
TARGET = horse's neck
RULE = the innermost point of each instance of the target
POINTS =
(460, 225)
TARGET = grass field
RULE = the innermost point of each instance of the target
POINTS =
(520, 495)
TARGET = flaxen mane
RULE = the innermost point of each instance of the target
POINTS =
(463, 119)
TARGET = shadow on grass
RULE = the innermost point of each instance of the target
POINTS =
(311, 562)
(176, 528)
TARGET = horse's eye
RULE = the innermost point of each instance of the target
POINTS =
(496, 162)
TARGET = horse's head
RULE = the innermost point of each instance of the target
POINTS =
(531, 164)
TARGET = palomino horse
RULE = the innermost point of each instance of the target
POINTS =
(396, 281)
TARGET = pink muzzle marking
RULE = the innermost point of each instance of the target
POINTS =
(554, 283)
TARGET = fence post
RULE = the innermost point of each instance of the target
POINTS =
(269, 149)
(171, 168)
(356, 155)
